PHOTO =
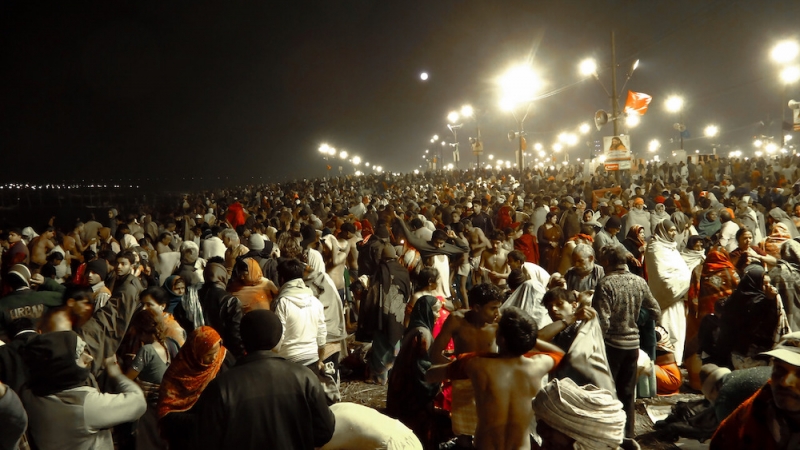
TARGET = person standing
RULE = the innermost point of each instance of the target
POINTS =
(265, 401)
(618, 299)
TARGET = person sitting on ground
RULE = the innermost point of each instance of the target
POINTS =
(570, 416)
(504, 383)
(668, 375)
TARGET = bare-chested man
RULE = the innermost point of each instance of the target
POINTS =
(504, 383)
(477, 241)
(41, 245)
(472, 331)
(494, 261)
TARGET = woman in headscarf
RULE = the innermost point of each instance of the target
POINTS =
(409, 397)
(709, 224)
(175, 287)
(713, 280)
(753, 321)
(668, 277)
(197, 363)
(635, 243)
(250, 287)
(659, 214)
(772, 244)
(777, 215)
(550, 236)
(785, 277)
(684, 227)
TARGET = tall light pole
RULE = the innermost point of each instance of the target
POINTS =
(453, 117)
(784, 53)
(519, 85)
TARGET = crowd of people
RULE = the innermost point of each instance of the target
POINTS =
(502, 309)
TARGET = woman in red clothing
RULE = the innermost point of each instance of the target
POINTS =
(528, 244)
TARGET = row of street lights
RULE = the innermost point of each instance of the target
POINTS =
(329, 154)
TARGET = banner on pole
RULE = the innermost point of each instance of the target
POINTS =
(617, 152)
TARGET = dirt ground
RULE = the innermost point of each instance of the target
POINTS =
(374, 396)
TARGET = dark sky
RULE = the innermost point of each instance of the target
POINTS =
(250, 89)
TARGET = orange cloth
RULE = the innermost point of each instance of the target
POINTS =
(187, 376)
(668, 379)
(254, 292)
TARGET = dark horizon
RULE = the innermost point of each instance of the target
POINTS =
(181, 90)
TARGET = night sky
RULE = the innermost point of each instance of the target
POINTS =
(251, 89)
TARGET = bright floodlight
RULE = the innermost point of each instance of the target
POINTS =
(453, 117)
(518, 84)
(538, 146)
(758, 154)
(426, 150)
(557, 147)
(423, 76)
(467, 111)
(562, 137)
(491, 157)
(674, 103)
(785, 51)
(435, 137)
(499, 162)
(632, 120)
(758, 143)
(366, 164)
(771, 148)
(654, 145)
(790, 74)
(356, 160)
(635, 65)
(711, 131)
(572, 139)
(416, 172)
(379, 168)
(584, 128)
(324, 149)
(541, 153)
(444, 143)
(588, 67)
(450, 166)
(787, 138)
(343, 154)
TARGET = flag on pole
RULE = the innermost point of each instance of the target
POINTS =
(637, 103)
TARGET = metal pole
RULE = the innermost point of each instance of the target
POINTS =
(614, 93)
(520, 156)
(455, 136)
(783, 115)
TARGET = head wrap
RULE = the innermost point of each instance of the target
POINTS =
(590, 415)
(663, 342)
(216, 273)
(189, 252)
(633, 235)
(52, 360)
(261, 330)
(708, 228)
(422, 314)
(661, 232)
(187, 376)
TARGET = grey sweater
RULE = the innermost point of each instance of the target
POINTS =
(618, 298)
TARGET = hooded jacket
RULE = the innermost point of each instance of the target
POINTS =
(221, 310)
(303, 318)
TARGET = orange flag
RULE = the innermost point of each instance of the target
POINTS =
(637, 103)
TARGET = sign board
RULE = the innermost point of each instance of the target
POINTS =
(617, 150)
(477, 148)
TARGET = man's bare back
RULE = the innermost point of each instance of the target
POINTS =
(467, 336)
(504, 389)
(39, 248)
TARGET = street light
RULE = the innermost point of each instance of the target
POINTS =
(674, 104)
(453, 117)
(356, 160)
(632, 120)
(588, 67)
(584, 128)
(518, 86)
(467, 111)
(785, 51)
(711, 131)
(790, 74)
(343, 154)
(654, 145)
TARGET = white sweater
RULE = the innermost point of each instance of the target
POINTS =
(303, 318)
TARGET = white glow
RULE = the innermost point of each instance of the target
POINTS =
(654, 145)
(500, 162)
(557, 147)
(491, 157)
(366, 164)
(758, 143)
(423, 76)
(632, 120)
(674, 103)
(358, 173)
(519, 84)
(601, 158)
(453, 117)
(538, 146)
(379, 169)
(787, 138)
(584, 128)
(356, 160)
(435, 137)
(467, 111)
(635, 65)
(587, 67)
(541, 153)
(711, 131)
(770, 148)
(324, 148)
(572, 139)
(790, 74)
(343, 154)
(450, 166)
(758, 154)
(416, 172)
(508, 163)
(784, 51)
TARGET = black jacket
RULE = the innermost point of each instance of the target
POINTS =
(264, 402)
(223, 312)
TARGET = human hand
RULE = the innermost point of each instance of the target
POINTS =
(585, 313)
(37, 279)
(112, 368)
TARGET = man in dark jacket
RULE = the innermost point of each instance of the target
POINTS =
(570, 222)
(221, 310)
(264, 401)
(127, 285)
